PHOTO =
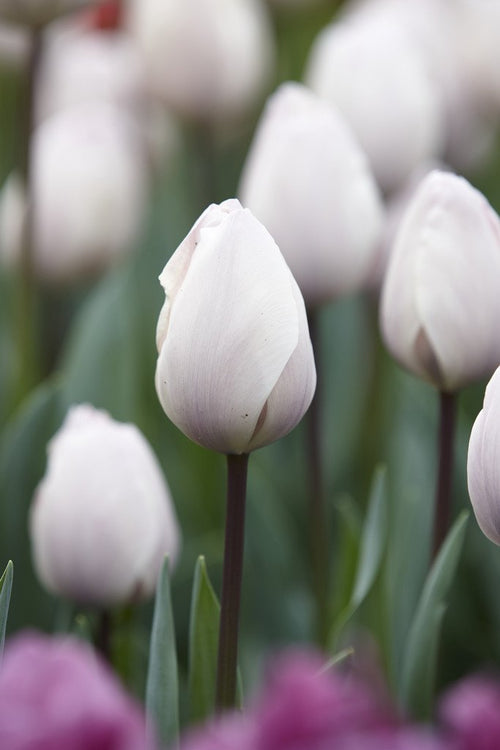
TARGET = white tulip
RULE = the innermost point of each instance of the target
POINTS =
(208, 59)
(88, 65)
(235, 369)
(309, 183)
(102, 519)
(483, 462)
(441, 297)
(38, 12)
(89, 191)
(377, 76)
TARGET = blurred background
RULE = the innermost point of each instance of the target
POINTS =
(125, 120)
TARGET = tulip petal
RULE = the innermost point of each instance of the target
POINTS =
(458, 279)
(233, 327)
(292, 394)
(483, 462)
(305, 153)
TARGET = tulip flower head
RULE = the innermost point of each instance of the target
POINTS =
(102, 518)
(377, 76)
(206, 59)
(56, 693)
(308, 181)
(441, 296)
(235, 369)
(483, 462)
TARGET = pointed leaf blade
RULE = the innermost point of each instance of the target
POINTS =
(162, 689)
(203, 643)
(421, 649)
(5, 593)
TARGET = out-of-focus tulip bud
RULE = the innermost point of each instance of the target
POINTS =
(89, 192)
(440, 301)
(102, 519)
(56, 693)
(84, 65)
(235, 369)
(375, 73)
(483, 462)
(309, 183)
(208, 59)
(38, 12)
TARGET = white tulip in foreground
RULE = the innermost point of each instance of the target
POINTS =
(102, 518)
(440, 308)
(38, 12)
(235, 369)
(207, 59)
(377, 76)
(308, 181)
(483, 462)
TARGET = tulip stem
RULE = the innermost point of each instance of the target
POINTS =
(27, 290)
(317, 506)
(227, 659)
(442, 507)
(103, 634)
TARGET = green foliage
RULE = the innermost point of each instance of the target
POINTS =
(421, 650)
(5, 592)
(162, 690)
(203, 640)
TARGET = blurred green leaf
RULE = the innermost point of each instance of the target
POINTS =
(421, 649)
(371, 551)
(162, 689)
(203, 642)
(5, 592)
(23, 455)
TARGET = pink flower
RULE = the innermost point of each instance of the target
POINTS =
(55, 693)
(470, 711)
(306, 708)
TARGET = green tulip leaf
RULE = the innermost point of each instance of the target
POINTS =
(422, 643)
(203, 646)
(5, 592)
(203, 642)
(162, 688)
(371, 549)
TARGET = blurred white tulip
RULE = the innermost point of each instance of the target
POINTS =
(235, 369)
(208, 59)
(440, 306)
(379, 79)
(309, 183)
(483, 462)
(38, 12)
(89, 192)
(102, 519)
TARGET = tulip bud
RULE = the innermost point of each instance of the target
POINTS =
(328, 216)
(89, 191)
(483, 462)
(38, 12)
(207, 59)
(235, 369)
(377, 76)
(102, 519)
(441, 296)
(56, 693)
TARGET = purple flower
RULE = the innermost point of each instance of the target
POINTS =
(301, 708)
(401, 738)
(471, 713)
(55, 694)
(305, 708)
